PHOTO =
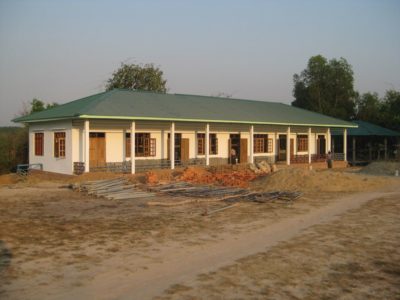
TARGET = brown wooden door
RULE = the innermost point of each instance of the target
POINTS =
(184, 150)
(282, 148)
(97, 149)
(243, 151)
(321, 145)
(291, 147)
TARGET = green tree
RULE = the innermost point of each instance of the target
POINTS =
(326, 87)
(391, 110)
(369, 108)
(138, 77)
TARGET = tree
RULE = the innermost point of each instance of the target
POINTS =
(368, 108)
(326, 87)
(138, 77)
(391, 110)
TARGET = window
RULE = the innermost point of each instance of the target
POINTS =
(302, 142)
(262, 144)
(144, 145)
(59, 144)
(201, 143)
(39, 142)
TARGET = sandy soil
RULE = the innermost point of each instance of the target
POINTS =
(355, 257)
(55, 243)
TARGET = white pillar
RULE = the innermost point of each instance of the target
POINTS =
(328, 140)
(133, 152)
(86, 145)
(345, 144)
(172, 145)
(207, 144)
(288, 146)
(309, 145)
(252, 144)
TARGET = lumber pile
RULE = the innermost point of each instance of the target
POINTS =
(209, 193)
(113, 189)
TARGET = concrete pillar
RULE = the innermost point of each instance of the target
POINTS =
(172, 145)
(328, 140)
(133, 152)
(345, 144)
(207, 144)
(354, 148)
(288, 146)
(309, 145)
(252, 144)
(86, 145)
(385, 144)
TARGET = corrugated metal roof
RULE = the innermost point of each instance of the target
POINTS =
(367, 129)
(135, 105)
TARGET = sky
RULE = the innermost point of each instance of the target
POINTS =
(59, 51)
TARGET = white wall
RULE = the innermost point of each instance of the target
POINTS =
(51, 163)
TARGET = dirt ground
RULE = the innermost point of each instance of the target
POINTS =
(54, 240)
(354, 257)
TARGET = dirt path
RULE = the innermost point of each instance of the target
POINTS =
(181, 264)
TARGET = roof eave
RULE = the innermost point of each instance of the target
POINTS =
(213, 121)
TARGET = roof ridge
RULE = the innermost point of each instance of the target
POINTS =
(95, 102)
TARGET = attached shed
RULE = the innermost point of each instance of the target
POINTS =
(127, 131)
(368, 142)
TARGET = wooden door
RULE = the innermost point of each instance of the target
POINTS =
(97, 149)
(291, 147)
(243, 151)
(184, 150)
(282, 148)
(321, 146)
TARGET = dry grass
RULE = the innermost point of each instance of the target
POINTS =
(355, 257)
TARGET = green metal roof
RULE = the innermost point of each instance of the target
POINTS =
(135, 105)
(367, 129)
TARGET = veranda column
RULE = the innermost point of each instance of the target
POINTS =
(172, 145)
(345, 144)
(252, 144)
(207, 144)
(86, 145)
(133, 143)
(328, 140)
(309, 145)
(288, 146)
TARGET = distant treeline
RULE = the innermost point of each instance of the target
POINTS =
(13, 148)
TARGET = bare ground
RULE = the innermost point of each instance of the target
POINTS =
(354, 257)
(54, 242)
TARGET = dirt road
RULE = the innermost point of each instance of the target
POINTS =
(181, 265)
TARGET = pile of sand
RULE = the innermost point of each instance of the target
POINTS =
(219, 176)
(294, 179)
(381, 168)
(8, 179)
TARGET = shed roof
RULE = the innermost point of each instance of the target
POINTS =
(367, 129)
(136, 105)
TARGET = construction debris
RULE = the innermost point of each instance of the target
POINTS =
(121, 189)
(113, 189)
(208, 193)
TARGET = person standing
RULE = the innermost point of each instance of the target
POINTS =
(329, 160)
(233, 156)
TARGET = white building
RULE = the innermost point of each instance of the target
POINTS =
(96, 132)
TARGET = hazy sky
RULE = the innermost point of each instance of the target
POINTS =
(64, 50)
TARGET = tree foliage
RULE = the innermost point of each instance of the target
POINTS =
(138, 77)
(326, 87)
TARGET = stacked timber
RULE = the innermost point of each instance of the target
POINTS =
(113, 189)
